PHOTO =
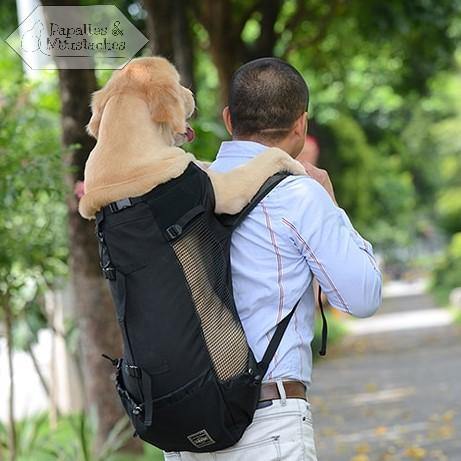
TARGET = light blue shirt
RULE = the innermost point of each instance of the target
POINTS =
(294, 234)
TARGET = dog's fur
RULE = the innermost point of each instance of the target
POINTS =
(138, 118)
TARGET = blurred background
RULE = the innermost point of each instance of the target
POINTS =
(385, 121)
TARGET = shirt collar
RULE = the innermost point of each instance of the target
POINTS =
(241, 149)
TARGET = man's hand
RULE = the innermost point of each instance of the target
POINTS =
(321, 176)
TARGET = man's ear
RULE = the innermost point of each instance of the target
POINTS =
(227, 119)
(300, 125)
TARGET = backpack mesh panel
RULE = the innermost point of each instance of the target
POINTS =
(202, 261)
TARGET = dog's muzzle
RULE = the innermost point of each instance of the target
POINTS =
(187, 136)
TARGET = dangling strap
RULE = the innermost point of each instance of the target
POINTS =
(323, 348)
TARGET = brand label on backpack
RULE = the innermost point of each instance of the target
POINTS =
(201, 439)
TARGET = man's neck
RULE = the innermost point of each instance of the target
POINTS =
(283, 144)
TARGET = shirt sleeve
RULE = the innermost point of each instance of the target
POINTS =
(340, 258)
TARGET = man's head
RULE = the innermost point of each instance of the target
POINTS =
(267, 103)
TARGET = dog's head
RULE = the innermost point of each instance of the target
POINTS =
(157, 82)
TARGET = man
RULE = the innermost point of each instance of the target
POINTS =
(296, 233)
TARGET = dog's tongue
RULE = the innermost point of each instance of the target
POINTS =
(190, 134)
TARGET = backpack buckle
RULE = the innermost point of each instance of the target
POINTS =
(173, 231)
(120, 205)
(109, 272)
(137, 410)
(133, 370)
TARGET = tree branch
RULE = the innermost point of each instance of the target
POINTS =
(300, 14)
(324, 24)
(248, 13)
(264, 45)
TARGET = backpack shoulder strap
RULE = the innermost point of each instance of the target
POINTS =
(279, 332)
(234, 220)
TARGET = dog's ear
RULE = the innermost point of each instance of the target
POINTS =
(99, 100)
(97, 107)
(166, 105)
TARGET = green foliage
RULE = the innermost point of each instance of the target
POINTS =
(373, 187)
(28, 434)
(71, 440)
(33, 253)
(394, 224)
(446, 132)
(449, 208)
(351, 163)
(412, 29)
(207, 123)
(8, 16)
(447, 271)
(456, 312)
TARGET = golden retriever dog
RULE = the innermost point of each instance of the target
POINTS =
(139, 119)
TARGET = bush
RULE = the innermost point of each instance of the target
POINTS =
(447, 271)
(449, 208)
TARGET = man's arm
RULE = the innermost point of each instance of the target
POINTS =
(341, 260)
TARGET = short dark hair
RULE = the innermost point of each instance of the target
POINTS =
(266, 97)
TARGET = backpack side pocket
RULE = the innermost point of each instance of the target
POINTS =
(134, 388)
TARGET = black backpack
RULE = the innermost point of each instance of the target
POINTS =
(188, 379)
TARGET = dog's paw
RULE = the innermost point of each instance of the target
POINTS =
(294, 167)
(284, 161)
(274, 154)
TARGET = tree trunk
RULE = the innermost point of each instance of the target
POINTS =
(38, 370)
(12, 437)
(264, 45)
(227, 48)
(93, 306)
(170, 35)
(98, 329)
(183, 44)
(33, 357)
(227, 59)
(160, 14)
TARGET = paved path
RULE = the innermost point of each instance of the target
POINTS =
(394, 394)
